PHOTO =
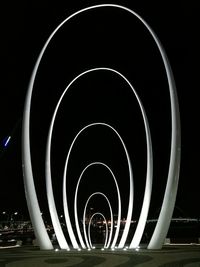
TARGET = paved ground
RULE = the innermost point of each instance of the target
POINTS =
(169, 256)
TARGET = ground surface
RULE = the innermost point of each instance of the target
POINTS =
(169, 256)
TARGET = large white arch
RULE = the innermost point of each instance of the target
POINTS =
(84, 218)
(89, 233)
(75, 204)
(149, 172)
(174, 166)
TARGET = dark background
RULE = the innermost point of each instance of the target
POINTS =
(113, 40)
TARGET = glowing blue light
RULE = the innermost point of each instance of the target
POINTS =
(6, 141)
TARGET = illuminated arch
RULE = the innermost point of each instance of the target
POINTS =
(84, 218)
(89, 235)
(174, 166)
(119, 205)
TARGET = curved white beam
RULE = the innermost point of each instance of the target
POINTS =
(84, 217)
(89, 224)
(50, 197)
(75, 205)
(148, 188)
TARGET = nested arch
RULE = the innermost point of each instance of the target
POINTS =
(107, 243)
(89, 232)
(118, 199)
(131, 189)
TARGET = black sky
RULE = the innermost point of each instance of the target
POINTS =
(25, 28)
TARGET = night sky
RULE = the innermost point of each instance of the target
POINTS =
(114, 40)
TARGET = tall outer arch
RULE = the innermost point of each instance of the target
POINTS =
(174, 166)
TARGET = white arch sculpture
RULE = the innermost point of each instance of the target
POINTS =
(84, 218)
(174, 166)
(119, 205)
(89, 235)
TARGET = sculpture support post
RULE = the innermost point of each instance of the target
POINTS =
(31, 197)
(167, 208)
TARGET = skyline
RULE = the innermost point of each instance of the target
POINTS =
(174, 51)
